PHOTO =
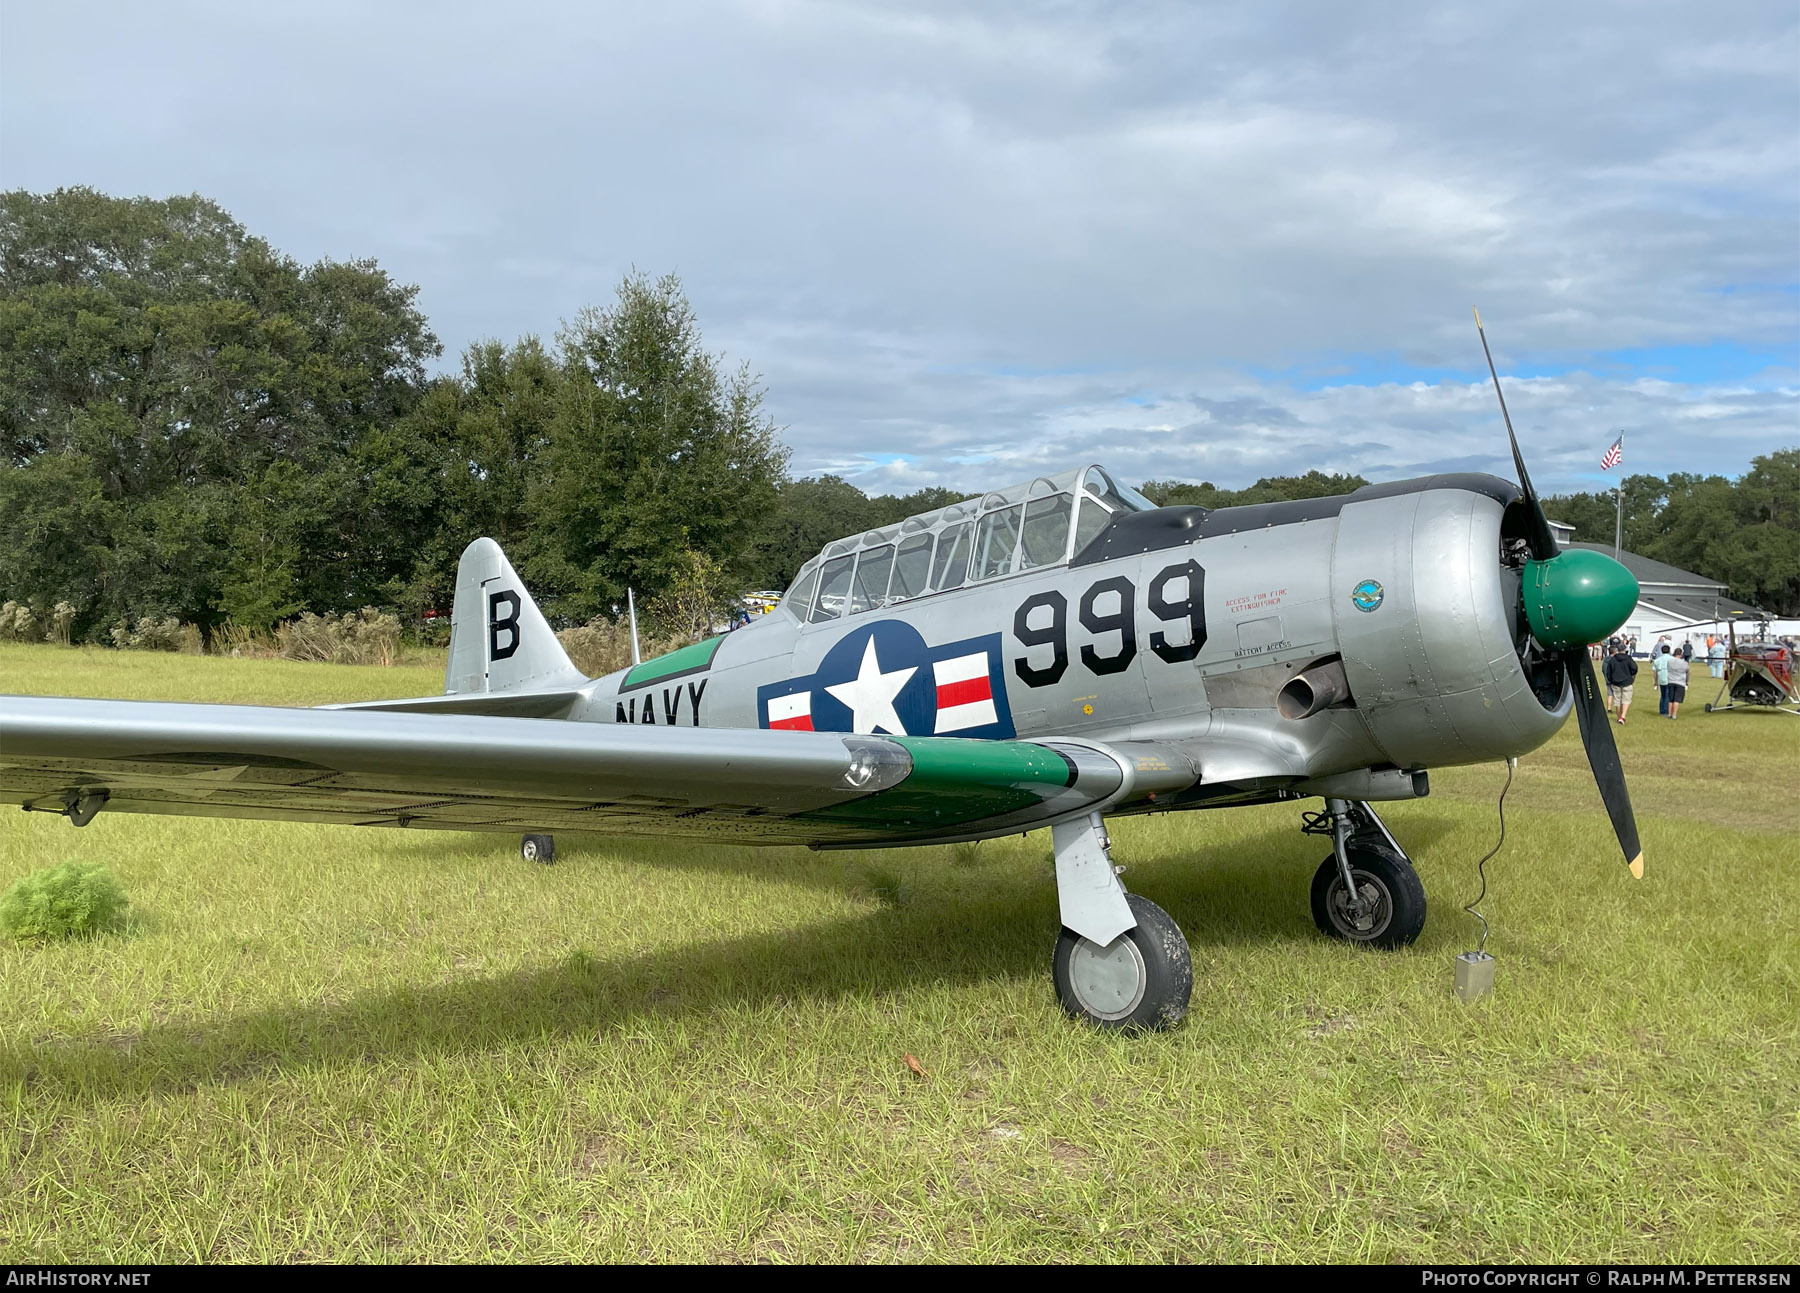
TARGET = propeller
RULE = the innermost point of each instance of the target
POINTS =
(1571, 599)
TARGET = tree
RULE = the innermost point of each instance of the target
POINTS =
(461, 466)
(813, 511)
(1595, 515)
(1270, 489)
(651, 451)
(1745, 533)
(261, 583)
(156, 363)
(690, 604)
(808, 514)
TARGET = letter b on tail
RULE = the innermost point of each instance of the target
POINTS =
(503, 624)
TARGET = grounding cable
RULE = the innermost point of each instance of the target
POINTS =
(1481, 866)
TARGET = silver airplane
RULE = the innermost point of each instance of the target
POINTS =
(1048, 655)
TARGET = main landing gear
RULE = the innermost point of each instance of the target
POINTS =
(1366, 890)
(1121, 962)
(538, 848)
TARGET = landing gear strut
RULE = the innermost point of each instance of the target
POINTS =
(1120, 962)
(1366, 891)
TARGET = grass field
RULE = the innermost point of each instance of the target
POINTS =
(318, 1043)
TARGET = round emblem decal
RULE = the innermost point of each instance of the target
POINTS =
(1366, 595)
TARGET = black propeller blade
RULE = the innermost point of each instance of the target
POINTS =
(1590, 709)
(1543, 542)
(1603, 754)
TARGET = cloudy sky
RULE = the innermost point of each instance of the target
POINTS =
(964, 242)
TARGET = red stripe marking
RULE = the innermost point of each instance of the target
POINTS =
(799, 723)
(966, 692)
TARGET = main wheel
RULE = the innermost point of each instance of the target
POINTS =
(1142, 979)
(538, 848)
(1388, 909)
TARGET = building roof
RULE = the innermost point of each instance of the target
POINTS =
(1675, 591)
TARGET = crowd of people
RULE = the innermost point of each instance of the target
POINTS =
(1668, 662)
(1712, 651)
(1671, 663)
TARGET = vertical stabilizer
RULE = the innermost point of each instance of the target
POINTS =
(499, 640)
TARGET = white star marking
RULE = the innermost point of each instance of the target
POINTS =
(871, 696)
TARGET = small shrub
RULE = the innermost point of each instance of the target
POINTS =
(62, 616)
(153, 634)
(234, 639)
(889, 888)
(66, 901)
(433, 634)
(602, 645)
(363, 637)
(966, 854)
(18, 624)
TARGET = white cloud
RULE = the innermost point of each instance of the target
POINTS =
(1003, 232)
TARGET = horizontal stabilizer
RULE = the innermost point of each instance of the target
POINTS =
(501, 704)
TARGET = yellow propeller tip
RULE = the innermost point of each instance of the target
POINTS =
(1637, 867)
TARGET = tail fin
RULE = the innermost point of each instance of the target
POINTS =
(499, 640)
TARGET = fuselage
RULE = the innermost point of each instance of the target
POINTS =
(1178, 626)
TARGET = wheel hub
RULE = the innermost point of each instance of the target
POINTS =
(1108, 980)
(1365, 913)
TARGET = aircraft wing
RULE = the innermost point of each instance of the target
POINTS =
(490, 773)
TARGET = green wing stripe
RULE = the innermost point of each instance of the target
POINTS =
(955, 781)
(677, 664)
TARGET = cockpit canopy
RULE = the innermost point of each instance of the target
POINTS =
(1044, 522)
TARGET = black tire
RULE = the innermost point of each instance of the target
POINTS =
(1708, 708)
(1091, 988)
(1399, 912)
(538, 848)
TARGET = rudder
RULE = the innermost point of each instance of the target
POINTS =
(499, 640)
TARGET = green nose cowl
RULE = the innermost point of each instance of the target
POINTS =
(1577, 597)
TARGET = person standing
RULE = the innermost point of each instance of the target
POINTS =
(1678, 678)
(1620, 671)
(1659, 665)
(1716, 656)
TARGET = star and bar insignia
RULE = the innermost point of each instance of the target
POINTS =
(885, 678)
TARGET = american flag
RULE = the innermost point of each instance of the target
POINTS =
(1614, 455)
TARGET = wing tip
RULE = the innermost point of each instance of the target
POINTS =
(1636, 866)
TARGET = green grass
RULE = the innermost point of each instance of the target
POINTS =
(318, 1043)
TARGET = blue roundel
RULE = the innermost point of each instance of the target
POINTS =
(1367, 595)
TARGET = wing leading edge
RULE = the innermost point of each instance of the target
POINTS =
(488, 773)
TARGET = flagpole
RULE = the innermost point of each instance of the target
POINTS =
(1619, 496)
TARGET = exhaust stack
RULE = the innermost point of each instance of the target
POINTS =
(1317, 688)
